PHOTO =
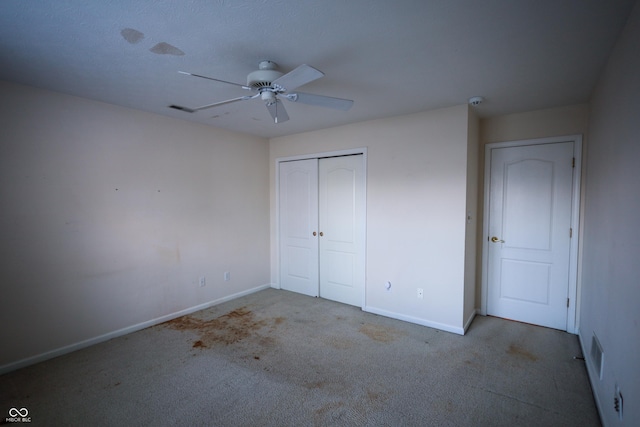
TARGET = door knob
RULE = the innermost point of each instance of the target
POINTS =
(494, 239)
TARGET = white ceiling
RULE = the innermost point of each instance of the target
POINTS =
(391, 57)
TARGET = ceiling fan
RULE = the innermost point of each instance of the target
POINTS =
(271, 85)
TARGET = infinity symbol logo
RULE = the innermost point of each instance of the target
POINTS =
(23, 412)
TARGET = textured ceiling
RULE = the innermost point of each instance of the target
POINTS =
(391, 57)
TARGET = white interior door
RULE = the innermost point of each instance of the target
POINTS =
(298, 209)
(342, 233)
(530, 201)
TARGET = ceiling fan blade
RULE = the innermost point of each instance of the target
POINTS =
(216, 104)
(320, 100)
(277, 111)
(215, 80)
(299, 76)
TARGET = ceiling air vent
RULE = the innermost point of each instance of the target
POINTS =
(181, 108)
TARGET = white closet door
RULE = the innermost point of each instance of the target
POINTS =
(342, 229)
(298, 208)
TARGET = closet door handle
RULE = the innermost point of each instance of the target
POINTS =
(321, 234)
(314, 233)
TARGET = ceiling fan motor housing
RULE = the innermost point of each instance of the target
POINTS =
(263, 77)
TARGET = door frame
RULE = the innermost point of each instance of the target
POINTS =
(337, 153)
(572, 326)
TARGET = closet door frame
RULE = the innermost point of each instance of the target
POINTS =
(319, 155)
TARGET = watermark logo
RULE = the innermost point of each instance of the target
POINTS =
(18, 415)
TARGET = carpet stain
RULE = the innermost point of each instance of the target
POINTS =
(268, 342)
(519, 352)
(379, 333)
(226, 329)
(276, 322)
(339, 343)
(449, 406)
(315, 385)
(474, 359)
(331, 386)
(350, 411)
(105, 387)
(442, 406)
(332, 410)
(373, 395)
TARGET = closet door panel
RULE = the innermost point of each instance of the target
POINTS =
(298, 213)
(341, 224)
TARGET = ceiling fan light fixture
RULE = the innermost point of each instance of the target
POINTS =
(268, 96)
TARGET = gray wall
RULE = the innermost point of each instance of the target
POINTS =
(611, 258)
(110, 216)
(418, 195)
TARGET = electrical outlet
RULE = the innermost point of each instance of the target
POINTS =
(203, 282)
(617, 402)
(420, 293)
(227, 276)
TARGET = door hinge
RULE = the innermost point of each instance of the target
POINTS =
(570, 232)
(567, 302)
(573, 163)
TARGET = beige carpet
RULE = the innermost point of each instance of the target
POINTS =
(277, 358)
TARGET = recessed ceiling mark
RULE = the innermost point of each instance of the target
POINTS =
(131, 35)
(163, 48)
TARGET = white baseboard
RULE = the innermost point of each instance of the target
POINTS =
(124, 331)
(416, 320)
(469, 320)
